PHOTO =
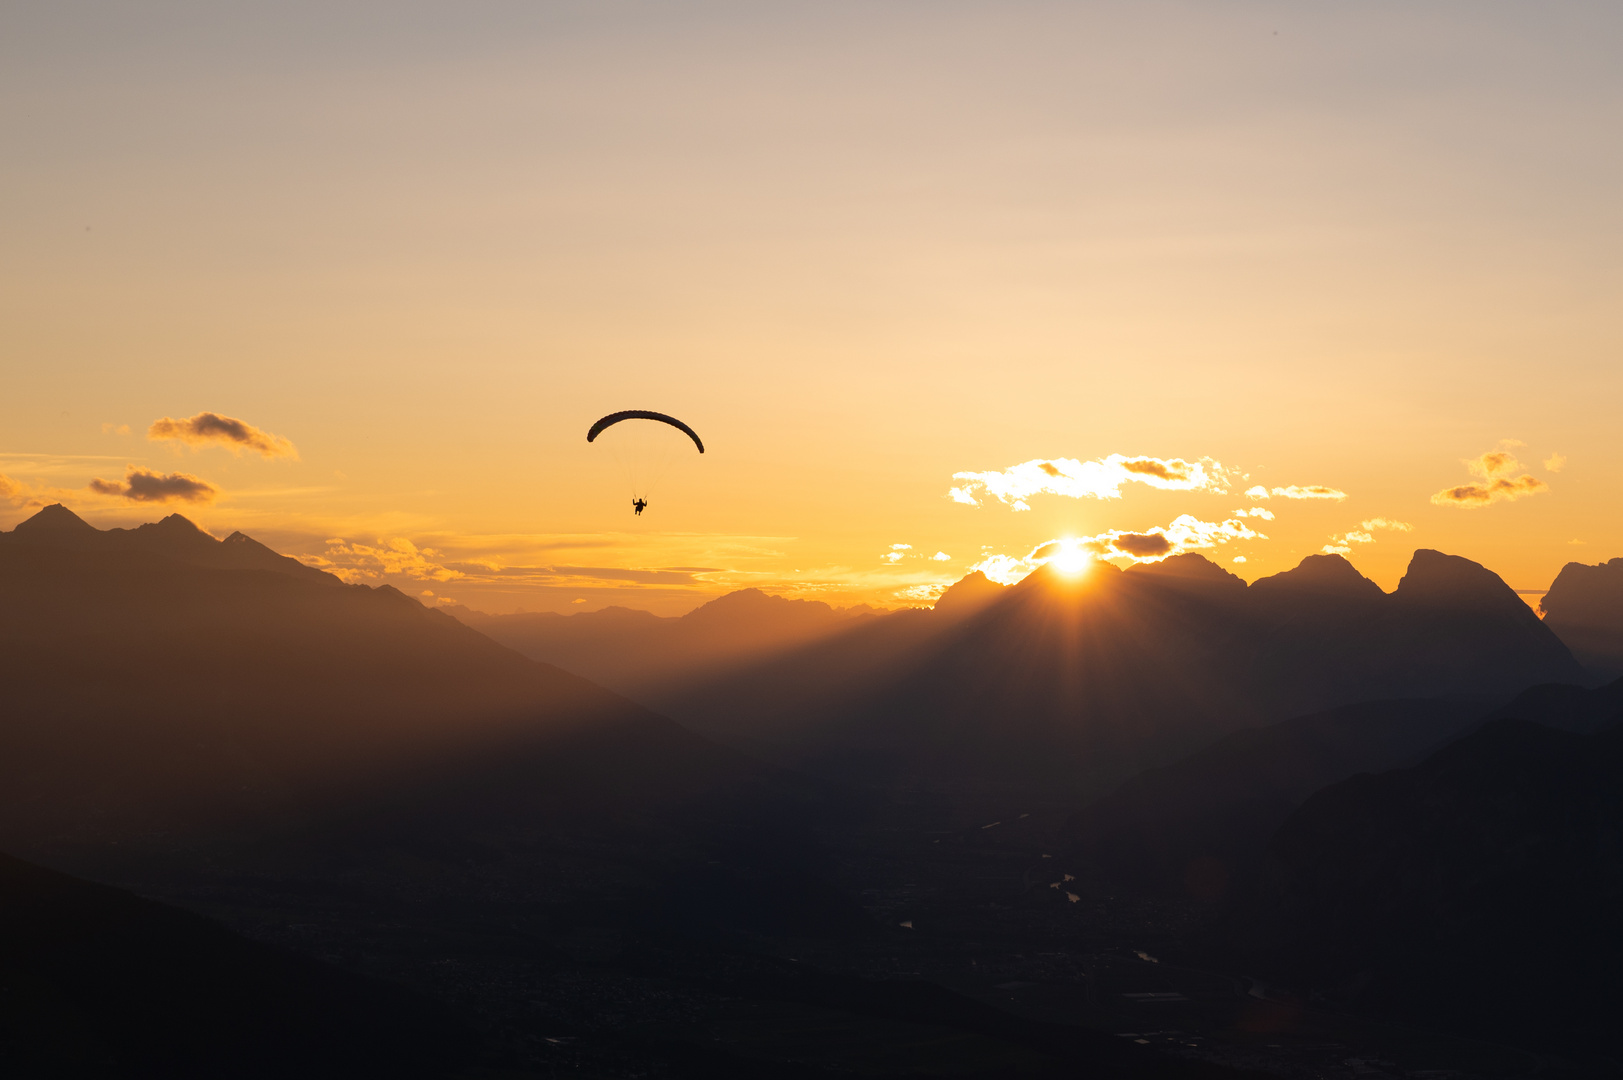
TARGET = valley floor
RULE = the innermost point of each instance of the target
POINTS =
(978, 957)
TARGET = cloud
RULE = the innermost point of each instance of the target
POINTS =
(1471, 496)
(1295, 491)
(1495, 483)
(1555, 462)
(1239, 558)
(115, 429)
(402, 558)
(1256, 512)
(1313, 491)
(207, 428)
(1364, 534)
(14, 492)
(1142, 545)
(897, 553)
(1185, 533)
(922, 594)
(146, 486)
(1101, 478)
(941, 556)
(397, 556)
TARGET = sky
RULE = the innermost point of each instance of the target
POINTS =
(942, 285)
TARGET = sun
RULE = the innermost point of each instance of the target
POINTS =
(1070, 560)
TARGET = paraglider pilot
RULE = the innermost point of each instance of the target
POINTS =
(639, 505)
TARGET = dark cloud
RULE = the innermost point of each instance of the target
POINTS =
(211, 428)
(1141, 545)
(144, 485)
(1050, 468)
(1508, 489)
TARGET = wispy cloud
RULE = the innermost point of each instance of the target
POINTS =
(1555, 463)
(1102, 478)
(1296, 491)
(355, 562)
(14, 492)
(1495, 481)
(1364, 534)
(399, 557)
(145, 486)
(213, 429)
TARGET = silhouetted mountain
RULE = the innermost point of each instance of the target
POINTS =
(646, 656)
(1074, 683)
(1567, 708)
(1478, 889)
(153, 698)
(96, 982)
(1200, 826)
(1585, 609)
(969, 594)
(175, 538)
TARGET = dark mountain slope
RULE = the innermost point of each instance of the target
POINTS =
(1074, 683)
(95, 982)
(1585, 609)
(1479, 889)
(646, 656)
(151, 695)
(1201, 825)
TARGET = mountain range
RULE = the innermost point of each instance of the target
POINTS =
(1313, 767)
(1073, 683)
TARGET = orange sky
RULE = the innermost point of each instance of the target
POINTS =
(861, 249)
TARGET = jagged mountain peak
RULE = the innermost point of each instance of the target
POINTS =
(1320, 574)
(1189, 566)
(969, 593)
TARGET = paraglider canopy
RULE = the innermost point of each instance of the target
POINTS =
(643, 414)
(645, 450)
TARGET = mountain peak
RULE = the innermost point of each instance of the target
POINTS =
(55, 520)
(1188, 566)
(1320, 575)
(969, 593)
(177, 524)
(1436, 579)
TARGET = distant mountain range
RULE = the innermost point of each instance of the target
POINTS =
(1071, 684)
(646, 656)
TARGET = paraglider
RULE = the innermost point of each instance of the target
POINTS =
(645, 449)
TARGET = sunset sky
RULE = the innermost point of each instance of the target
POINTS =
(970, 278)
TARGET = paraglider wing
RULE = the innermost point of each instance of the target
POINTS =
(643, 414)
